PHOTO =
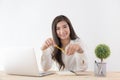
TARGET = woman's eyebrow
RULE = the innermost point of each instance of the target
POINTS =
(65, 24)
(62, 25)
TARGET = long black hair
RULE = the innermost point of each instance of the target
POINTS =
(57, 54)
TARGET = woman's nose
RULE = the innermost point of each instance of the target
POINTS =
(61, 31)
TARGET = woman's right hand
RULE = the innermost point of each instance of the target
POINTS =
(48, 42)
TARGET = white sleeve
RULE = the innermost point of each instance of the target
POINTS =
(79, 41)
(46, 59)
(81, 58)
(81, 62)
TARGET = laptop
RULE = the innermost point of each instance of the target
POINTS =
(22, 61)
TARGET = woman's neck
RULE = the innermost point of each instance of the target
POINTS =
(65, 42)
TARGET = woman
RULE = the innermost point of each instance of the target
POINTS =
(65, 48)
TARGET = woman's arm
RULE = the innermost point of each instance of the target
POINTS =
(81, 57)
(46, 58)
(82, 62)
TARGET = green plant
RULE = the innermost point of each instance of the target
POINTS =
(102, 51)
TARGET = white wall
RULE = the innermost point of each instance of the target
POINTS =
(28, 23)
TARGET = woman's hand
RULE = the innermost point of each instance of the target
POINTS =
(72, 48)
(48, 42)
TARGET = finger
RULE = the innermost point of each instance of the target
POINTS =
(46, 45)
(69, 50)
(72, 49)
(50, 41)
(53, 42)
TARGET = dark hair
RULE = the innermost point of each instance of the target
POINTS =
(57, 54)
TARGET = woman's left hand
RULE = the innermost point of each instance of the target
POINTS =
(72, 48)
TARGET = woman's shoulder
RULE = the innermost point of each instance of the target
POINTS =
(77, 40)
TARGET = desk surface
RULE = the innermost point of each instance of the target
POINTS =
(89, 76)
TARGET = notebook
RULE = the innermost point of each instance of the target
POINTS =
(22, 61)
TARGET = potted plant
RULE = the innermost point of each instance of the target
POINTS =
(102, 51)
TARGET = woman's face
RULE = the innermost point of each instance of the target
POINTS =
(63, 31)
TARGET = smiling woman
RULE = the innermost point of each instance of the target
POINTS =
(65, 48)
(94, 21)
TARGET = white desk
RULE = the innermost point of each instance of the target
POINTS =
(89, 76)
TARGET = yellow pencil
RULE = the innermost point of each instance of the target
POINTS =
(60, 48)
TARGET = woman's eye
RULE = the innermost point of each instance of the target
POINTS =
(57, 28)
(65, 26)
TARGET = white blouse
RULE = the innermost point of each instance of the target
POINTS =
(75, 62)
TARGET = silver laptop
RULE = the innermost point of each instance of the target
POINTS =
(22, 61)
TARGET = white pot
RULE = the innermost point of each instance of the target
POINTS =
(100, 69)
